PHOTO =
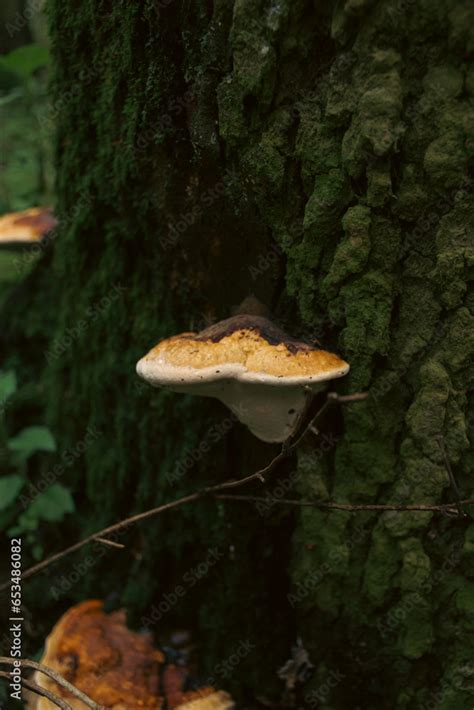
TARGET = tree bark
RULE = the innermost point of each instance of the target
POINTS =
(319, 156)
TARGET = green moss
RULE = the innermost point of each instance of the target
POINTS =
(445, 159)
(417, 636)
(379, 188)
(352, 253)
(415, 566)
(380, 568)
(465, 604)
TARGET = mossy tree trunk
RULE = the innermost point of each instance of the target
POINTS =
(317, 155)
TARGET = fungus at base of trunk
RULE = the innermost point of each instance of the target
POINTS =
(116, 667)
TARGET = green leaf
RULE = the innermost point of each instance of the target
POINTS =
(10, 486)
(52, 505)
(31, 440)
(37, 551)
(7, 385)
(24, 61)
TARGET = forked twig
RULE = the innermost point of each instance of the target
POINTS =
(54, 675)
(110, 543)
(452, 480)
(287, 447)
(35, 688)
(30, 685)
(216, 492)
(44, 693)
(106, 531)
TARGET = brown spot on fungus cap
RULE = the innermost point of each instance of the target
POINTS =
(27, 227)
(251, 365)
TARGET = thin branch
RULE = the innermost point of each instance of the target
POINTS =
(35, 688)
(287, 447)
(110, 543)
(208, 491)
(30, 685)
(106, 531)
(452, 480)
(444, 508)
(26, 663)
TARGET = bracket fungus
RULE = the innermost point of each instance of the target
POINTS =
(117, 668)
(260, 373)
(26, 228)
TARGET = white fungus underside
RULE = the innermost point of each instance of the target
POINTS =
(269, 406)
(162, 374)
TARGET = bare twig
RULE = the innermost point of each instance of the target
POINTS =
(35, 688)
(30, 685)
(452, 480)
(26, 663)
(110, 543)
(106, 531)
(445, 508)
(287, 447)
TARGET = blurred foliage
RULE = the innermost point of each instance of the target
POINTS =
(25, 506)
(26, 155)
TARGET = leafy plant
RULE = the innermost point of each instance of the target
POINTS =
(25, 61)
(27, 166)
(10, 486)
(8, 385)
(50, 505)
(30, 440)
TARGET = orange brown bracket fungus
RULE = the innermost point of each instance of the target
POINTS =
(173, 682)
(262, 374)
(117, 668)
(26, 228)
